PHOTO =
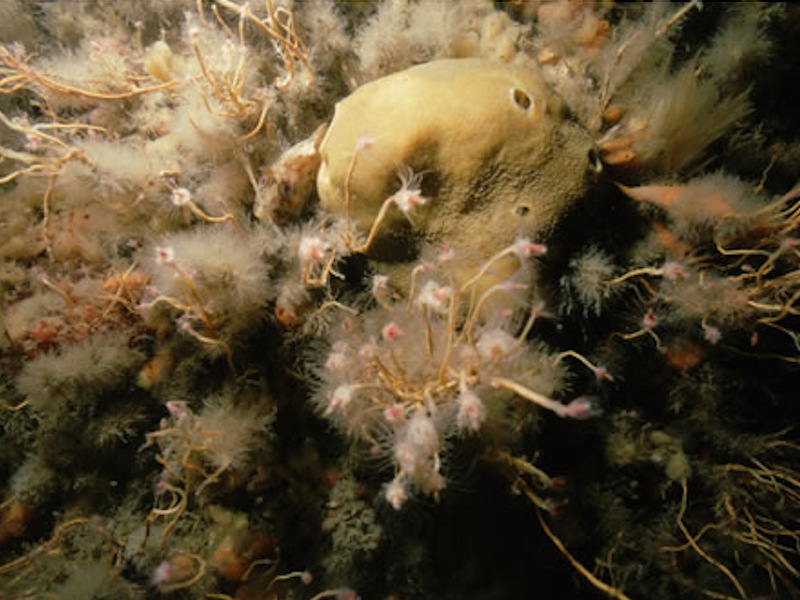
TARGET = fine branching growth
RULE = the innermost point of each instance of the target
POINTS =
(79, 373)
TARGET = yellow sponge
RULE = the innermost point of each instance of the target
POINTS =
(494, 152)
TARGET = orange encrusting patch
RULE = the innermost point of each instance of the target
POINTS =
(156, 370)
(670, 197)
(671, 243)
(14, 518)
(683, 355)
(233, 556)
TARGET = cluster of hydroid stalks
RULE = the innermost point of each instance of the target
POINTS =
(212, 284)
(730, 261)
(196, 449)
(278, 24)
(440, 363)
(182, 93)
